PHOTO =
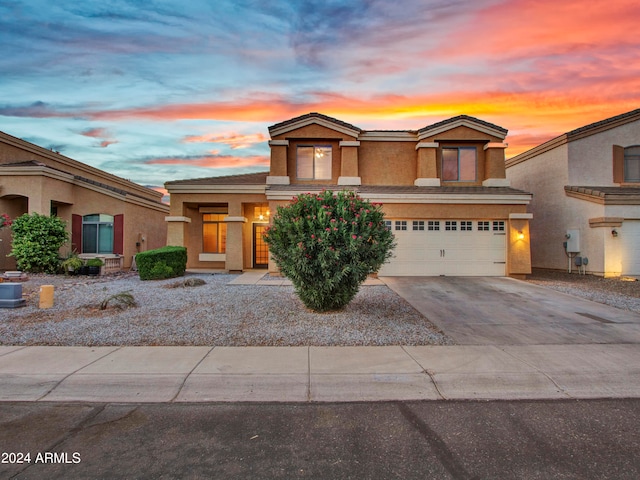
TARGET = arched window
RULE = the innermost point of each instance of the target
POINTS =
(632, 164)
(97, 233)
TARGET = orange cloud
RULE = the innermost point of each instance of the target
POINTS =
(99, 133)
(234, 140)
(524, 27)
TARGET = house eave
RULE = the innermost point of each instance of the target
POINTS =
(225, 189)
(463, 122)
(303, 122)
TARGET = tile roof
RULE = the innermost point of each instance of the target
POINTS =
(80, 178)
(463, 117)
(605, 122)
(401, 189)
(259, 178)
(604, 192)
(27, 163)
(314, 115)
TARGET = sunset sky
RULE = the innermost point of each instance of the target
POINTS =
(162, 90)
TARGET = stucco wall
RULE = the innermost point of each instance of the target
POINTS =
(591, 157)
(387, 163)
(545, 176)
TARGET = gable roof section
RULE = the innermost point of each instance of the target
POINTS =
(576, 134)
(311, 118)
(463, 121)
(106, 178)
(603, 125)
(258, 178)
(249, 183)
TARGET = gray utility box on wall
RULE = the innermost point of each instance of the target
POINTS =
(11, 295)
(573, 241)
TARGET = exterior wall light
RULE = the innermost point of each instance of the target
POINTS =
(614, 233)
(520, 235)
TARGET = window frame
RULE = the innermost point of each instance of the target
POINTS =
(626, 159)
(458, 169)
(221, 240)
(314, 168)
(103, 220)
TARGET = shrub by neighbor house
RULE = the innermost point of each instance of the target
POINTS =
(36, 242)
(327, 245)
(165, 262)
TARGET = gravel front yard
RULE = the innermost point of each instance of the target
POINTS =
(238, 315)
(211, 314)
(610, 291)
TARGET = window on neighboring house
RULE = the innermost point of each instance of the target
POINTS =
(97, 233)
(459, 164)
(632, 164)
(314, 162)
(214, 233)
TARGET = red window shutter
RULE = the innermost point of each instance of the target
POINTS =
(118, 234)
(618, 164)
(76, 233)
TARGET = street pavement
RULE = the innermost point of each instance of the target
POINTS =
(568, 439)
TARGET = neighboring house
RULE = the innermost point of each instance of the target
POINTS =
(585, 184)
(443, 190)
(107, 215)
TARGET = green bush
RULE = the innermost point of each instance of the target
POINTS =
(165, 262)
(327, 245)
(94, 262)
(36, 242)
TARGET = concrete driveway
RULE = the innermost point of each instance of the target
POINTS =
(505, 311)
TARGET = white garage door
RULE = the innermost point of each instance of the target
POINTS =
(447, 247)
(630, 244)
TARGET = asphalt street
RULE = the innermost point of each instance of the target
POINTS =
(544, 439)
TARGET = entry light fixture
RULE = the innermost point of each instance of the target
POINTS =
(614, 233)
(520, 235)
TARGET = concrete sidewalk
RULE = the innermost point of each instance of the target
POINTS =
(318, 374)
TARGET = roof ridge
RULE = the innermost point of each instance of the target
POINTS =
(314, 115)
(463, 117)
(604, 122)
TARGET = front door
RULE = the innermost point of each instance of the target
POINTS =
(260, 248)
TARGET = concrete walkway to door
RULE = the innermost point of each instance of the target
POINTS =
(505, 311)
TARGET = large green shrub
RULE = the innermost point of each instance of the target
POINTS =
(36, 242)
(165, 262)
(327, 245)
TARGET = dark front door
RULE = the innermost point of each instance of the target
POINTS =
(260, 249)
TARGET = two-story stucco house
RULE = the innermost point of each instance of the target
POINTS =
(107, 216)
(586, 197)
(443, 190)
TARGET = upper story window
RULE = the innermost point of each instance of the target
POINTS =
(459, 164)
(632, 164)
(314, 162)
(97, 233)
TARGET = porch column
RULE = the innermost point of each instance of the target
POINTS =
(519, 247)
(349, 164)
(177, 231)
(494, 169)
(234, 252)
(427, 168)
(278, 174)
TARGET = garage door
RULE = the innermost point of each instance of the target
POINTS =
(630, 244)
(447, 247)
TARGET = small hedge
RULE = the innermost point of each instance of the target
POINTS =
(165, 262)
